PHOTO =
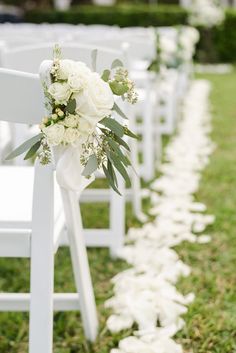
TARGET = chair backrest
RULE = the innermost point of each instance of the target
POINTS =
(21, 97)
(29, 58)
(136, 48)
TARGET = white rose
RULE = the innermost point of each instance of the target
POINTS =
(81, 68)
(60, 92)
(77, 82)
(71, 135)
(86, 126)
(71, 120)
(96, 101)
(54, 134)
(66, 67)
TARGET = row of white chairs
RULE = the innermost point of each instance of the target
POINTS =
(32, 235)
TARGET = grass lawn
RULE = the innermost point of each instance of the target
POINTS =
(211, 320)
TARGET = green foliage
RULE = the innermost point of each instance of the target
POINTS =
(71, 106)
(91, 166)
(122, 15)
(113, 125)
(94, 59)
(27, 145)
(32, 151)
(219, 43)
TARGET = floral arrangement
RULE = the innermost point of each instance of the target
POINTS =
(173, 52)
(206, 13)
(81, 106)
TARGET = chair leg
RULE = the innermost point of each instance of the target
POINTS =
(41, 303)
(117, 218)
(80, 264)
(42, 264)
(148, 140)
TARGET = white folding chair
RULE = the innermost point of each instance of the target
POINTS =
(31, 221)
(28, 59)
(139, 52)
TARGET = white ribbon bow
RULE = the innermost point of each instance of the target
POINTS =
(69, 170)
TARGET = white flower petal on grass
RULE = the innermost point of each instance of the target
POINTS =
(146, 292)
(204, 239)
(117, 323)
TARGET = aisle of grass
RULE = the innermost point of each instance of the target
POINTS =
(211, 320)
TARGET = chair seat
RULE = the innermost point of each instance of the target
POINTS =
(16, 211)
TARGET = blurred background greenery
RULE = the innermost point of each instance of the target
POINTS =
(217, 44)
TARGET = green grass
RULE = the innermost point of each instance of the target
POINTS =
(211, 320)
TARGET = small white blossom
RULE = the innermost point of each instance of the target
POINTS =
(54, 134)
(60, 92)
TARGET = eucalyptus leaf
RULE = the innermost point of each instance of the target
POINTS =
(113, 125)
(110, 179)
(91, 166)
(116, 63)
(122, 143)
(118, 89)
(71, 106)
(106, 75)
(131, 134)
(32, 151)
(117, 109)
(24, 146)
(94, 55)
(119, 166)
(117, 150)
(112, 172)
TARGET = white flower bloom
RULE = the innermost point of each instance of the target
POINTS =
(81, 68)
(54, 134)
(96, 101)
(71, 120)
(205, 13)
(71, 135)
(65, 69)
(60, 92)
(86, 126)
(77, 82)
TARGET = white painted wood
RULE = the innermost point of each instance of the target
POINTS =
(15, 243)
(80, 264)
(42, 272)
(19, 302)
(99, 238)
(11, 84)
(101, 195)
(29, 58)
